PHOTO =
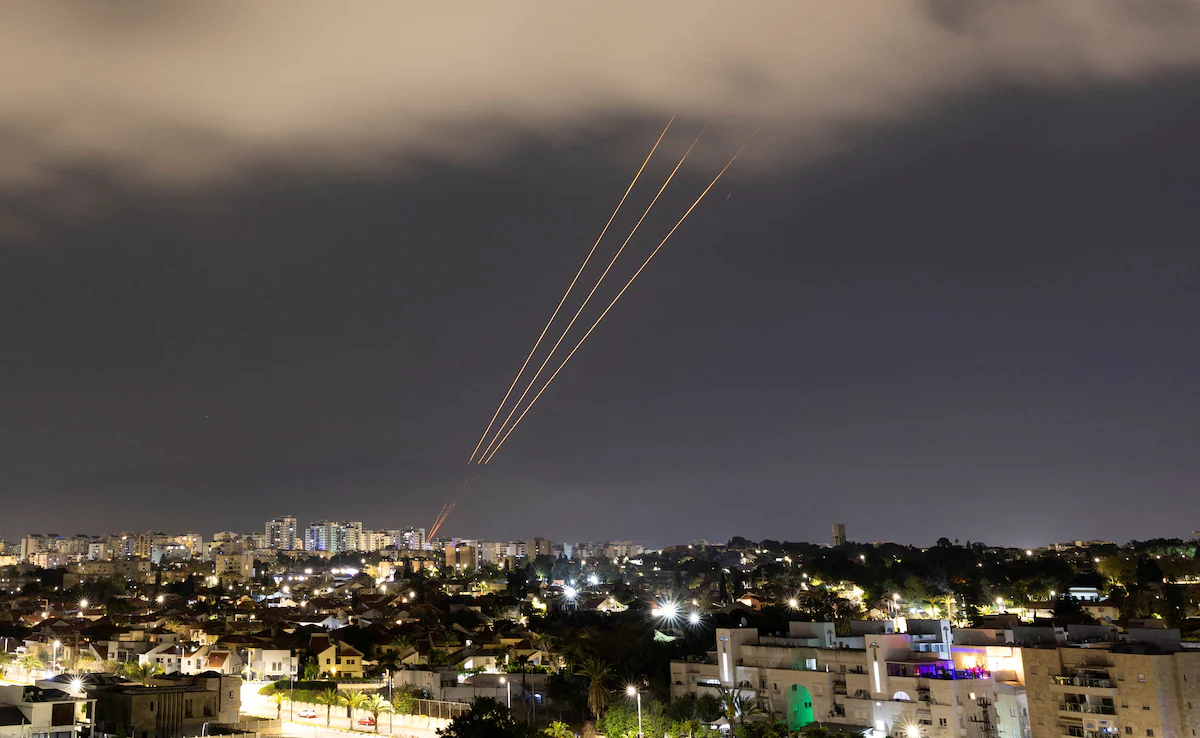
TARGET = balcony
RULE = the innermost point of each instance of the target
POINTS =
(1074, 731)
(1086, 708)
(1070, 681)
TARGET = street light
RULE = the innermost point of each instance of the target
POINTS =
(56, 645)
(507, 690)
(632, 691)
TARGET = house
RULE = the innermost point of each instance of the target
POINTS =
(26, 711)
(337, 659)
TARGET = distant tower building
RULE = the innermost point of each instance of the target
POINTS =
(281, 533)
(325, 536)
(839, 534)
(413, 539)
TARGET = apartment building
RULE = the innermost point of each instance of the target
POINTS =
(281, 533)
(462, 555)
(884, 683)
(1144, 686)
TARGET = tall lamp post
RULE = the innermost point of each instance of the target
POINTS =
(55, 665)
(632, 691)
(507, 691)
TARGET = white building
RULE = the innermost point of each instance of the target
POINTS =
(884, 682)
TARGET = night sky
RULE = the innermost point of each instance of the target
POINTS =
(966, 309)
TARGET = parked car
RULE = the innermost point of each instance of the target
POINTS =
(368, 721)
(307, 712)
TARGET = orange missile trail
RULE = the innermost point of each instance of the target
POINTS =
(532, 402)
(570, 287)
(441, 518)
(587, 299)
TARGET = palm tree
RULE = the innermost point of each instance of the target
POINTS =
(375, 704)
(559, 729)
(353, 700)
(597, 672)
(329, 698)
(141, 672)
(5, 660)
(690, 728)
(278, 698)
(520, 663)
(543, 643)
(31, 662)
(83, 664)
(738, 706)
(402, 645)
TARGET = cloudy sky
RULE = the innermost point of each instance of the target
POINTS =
(285, 258)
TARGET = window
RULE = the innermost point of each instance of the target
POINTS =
(1012, 712)
(1041, 721)
(1128, 730)
(1146, 707)
(942, 722)
(1142, 678)
(327, 661)
(1149, 733)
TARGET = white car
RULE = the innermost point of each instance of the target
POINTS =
(307, 712)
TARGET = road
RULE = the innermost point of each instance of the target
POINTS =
(257, 705)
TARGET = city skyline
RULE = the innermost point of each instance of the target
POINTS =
(947, 289)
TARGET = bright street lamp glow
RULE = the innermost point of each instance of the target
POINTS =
(570, 593)
(83, 604)
(793, 603)
(913, 731)
(593, 579)
(76, 685)
(631, 690)
(694, 618)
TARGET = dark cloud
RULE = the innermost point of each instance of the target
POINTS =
(194, 92)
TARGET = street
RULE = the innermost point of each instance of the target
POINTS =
(257, 705)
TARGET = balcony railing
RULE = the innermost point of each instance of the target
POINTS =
(1083, 682)
(1087, 708)
(1074, 731)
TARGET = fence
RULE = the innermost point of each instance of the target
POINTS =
(439, 709)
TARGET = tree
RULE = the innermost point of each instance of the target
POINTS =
(83, 664)
(487, 718)
(402, 702)
(31, 662)
(329, 698)
(278, 698)
(353, 700)
(738, 705)
(375, 704)
(143, 673)
(311, 671)
(559, 729)
(597, 672)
